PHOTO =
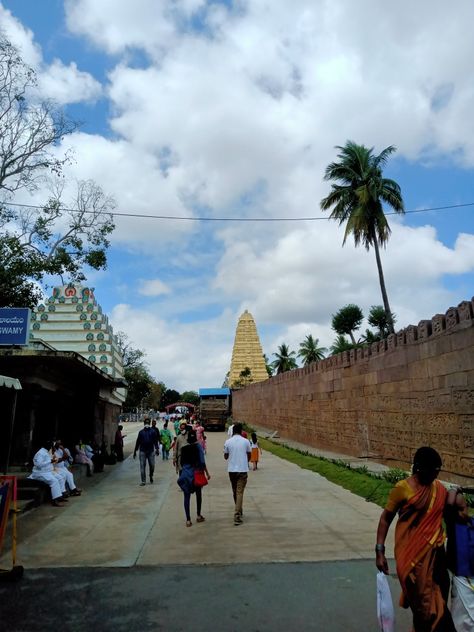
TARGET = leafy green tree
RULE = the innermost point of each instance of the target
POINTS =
(378, 319)
(284, 359)
(135, 371)
(131, 357)
(356, 197)
(153, 399)
(139, 387)
(170, 396)
(347, 320)
(191, 397)
(341, 344)
(48, 240)
(245, 378)
(310, 351)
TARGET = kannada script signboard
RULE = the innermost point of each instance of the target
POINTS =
(14, 326)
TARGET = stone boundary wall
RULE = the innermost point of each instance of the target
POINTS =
(383, 401)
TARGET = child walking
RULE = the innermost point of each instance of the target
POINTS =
(255, 451)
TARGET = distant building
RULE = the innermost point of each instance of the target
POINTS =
(248, 364)
(71, 375)
(72, 320)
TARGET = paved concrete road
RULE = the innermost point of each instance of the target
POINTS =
(291, 515)
(325, 596)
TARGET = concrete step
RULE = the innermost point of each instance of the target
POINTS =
(38, 495)
(25, 505)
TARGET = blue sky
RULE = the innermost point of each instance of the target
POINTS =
(209, 108)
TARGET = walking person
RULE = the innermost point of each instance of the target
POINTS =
(166, 441)
(193, 476)
(118, 443)
(255, 451)
(201, 437)
(178, 444)
(147, 443)
(420, 501)
(237, 455)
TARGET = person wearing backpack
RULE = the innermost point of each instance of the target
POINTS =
(460, 531)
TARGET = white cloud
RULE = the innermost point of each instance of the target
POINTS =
(240, 117)
(67, 84)
(56, 81)
(137, 183)
(306, 275)
(179, 354)
(116, 26)
(21, 37)
(153, 287)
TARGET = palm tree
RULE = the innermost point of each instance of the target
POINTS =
(285, 360)
(310, 351)
(268, 365)
(369, 337)
(341, 344)
(356, 198)
(347, 320)
(378, 319)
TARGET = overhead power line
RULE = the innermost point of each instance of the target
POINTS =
(235, 219)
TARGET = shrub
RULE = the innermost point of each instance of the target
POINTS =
(393, 475)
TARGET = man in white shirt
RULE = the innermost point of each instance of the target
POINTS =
(43, 470)
(63, 458)
(237, 455)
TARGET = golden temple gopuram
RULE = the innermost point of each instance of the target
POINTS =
(247, 353)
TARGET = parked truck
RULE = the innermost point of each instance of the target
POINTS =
(214, 407)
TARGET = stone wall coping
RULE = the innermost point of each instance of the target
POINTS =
(454, 319)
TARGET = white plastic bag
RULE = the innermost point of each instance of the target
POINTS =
(385, 613)
(462, 603)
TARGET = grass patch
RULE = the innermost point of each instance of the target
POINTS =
(374, 487)
(357, 480)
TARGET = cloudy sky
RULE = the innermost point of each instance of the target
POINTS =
(231, 109)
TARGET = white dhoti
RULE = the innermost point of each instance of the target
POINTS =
(52, 480)
(61, 476)
(68, 477)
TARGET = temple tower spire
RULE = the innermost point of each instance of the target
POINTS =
(247, 354)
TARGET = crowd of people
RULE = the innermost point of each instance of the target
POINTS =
(424, 506)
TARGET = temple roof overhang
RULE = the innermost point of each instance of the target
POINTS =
(27, 362)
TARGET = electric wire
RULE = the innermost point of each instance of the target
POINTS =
(229, 219)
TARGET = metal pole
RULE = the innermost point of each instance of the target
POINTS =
(12, 422)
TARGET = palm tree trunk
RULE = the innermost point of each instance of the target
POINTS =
(386, 304)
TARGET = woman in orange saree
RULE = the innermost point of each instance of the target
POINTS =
(419, 543)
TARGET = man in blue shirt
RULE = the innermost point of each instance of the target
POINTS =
(147, 443)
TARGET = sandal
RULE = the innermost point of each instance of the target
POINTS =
(200, 519)
(189, 523)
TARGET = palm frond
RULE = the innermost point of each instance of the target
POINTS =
(381, 160)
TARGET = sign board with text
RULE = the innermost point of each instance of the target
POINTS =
(14, 326)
